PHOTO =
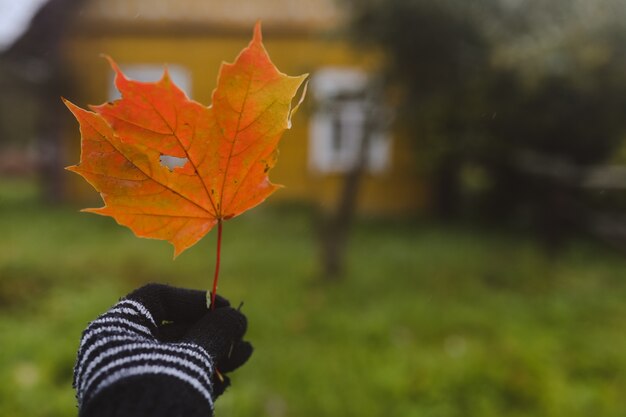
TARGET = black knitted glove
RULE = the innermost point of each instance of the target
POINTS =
(157, 353)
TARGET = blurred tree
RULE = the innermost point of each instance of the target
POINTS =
(34, 66)
(335, 225)
(436, 56)
(529, 94)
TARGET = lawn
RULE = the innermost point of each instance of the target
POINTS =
(430, 320)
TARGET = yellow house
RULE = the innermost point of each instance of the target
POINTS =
(194, 36)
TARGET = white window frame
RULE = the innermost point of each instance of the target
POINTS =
(179, 74)
(337, 126)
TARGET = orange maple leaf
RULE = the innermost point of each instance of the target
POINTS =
(228, 148)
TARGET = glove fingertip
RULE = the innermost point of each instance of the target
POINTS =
(239, 323)
(217, 331)
(240, 353)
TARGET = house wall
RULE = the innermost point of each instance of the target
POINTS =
(398, 190)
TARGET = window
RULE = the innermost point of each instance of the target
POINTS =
(345, 119)
(149, 73)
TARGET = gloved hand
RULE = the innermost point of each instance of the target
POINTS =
(157, 352)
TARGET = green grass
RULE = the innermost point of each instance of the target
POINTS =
(429, 321)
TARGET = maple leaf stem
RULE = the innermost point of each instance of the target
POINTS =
(217, 263)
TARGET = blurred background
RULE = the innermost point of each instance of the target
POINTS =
(451, 240)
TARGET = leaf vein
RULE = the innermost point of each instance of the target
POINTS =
(187, 155)
(142, 171)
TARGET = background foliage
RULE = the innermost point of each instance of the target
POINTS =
(509, 103)
(430, 321)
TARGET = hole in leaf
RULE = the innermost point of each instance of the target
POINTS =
(171, 162)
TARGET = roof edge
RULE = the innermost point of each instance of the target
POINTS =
(90, 28)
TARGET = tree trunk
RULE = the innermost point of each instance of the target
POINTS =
(336, 226)
(447, 193)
